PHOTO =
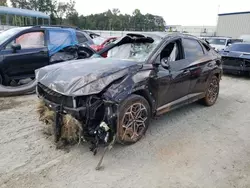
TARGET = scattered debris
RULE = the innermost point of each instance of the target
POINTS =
(71, 128)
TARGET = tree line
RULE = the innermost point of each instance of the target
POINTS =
(64, 13)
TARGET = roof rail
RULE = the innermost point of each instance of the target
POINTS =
(61, 26)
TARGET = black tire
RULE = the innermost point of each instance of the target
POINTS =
(212, 91)
(129, 115)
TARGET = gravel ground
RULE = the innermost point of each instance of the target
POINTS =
(191, 147)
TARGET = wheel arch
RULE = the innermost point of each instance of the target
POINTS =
(146, 94)
(218, 75)
(216, 72)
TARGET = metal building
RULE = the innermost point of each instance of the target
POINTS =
(233, 24)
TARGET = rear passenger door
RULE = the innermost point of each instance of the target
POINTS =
(198, 61)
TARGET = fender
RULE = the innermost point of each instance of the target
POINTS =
(132, 84)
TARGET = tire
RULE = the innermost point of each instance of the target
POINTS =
(133, 112)
(212, 91)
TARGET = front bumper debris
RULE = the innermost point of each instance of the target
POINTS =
(69, 128)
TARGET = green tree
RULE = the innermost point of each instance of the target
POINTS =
(20, 4)
(3, 3)
(64, 12)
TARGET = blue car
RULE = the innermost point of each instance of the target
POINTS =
(236, 59)
(25, 49)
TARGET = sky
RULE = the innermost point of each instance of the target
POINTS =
(175, 12)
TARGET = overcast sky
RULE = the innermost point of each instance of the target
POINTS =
(175, 12)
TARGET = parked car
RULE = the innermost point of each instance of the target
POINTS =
(25, 49)
(101, 42)
(221, 43)
(113, 98)
(236, 59)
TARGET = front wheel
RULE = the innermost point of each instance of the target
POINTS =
(133, 119)
(212, 91)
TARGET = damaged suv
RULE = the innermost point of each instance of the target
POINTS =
(112, 99)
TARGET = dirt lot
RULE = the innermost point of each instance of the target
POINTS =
(194, 146)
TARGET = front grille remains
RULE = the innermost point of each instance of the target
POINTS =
(54, 97)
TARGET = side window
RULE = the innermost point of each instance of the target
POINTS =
(29, 40)
(81, 37)
(192, 49)
(171, 52)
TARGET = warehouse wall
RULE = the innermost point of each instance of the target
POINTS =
(233, 25)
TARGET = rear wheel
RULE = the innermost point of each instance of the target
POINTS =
(133, 120)
(212, 92)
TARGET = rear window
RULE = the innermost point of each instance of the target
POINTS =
(192, 49)
(240, 48)
(81, 37)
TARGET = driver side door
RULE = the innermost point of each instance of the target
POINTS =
(32, 55)
(173, 80)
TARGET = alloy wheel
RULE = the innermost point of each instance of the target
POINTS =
(213, 90)
(134, 122)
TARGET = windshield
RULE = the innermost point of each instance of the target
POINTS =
(133, 51)
(217, 41)
(240, 48)
(5, 35)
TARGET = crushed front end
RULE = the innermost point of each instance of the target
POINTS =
(75, 119)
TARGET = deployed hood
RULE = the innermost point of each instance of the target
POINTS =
(84, 77)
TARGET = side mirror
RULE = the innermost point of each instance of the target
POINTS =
(16, 47)
(165, 63)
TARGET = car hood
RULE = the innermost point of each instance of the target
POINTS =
(217, 47)
(84, 77)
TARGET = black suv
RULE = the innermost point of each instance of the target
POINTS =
(25, 49)
(114, 98)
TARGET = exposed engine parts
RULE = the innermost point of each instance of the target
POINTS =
(95, 124)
